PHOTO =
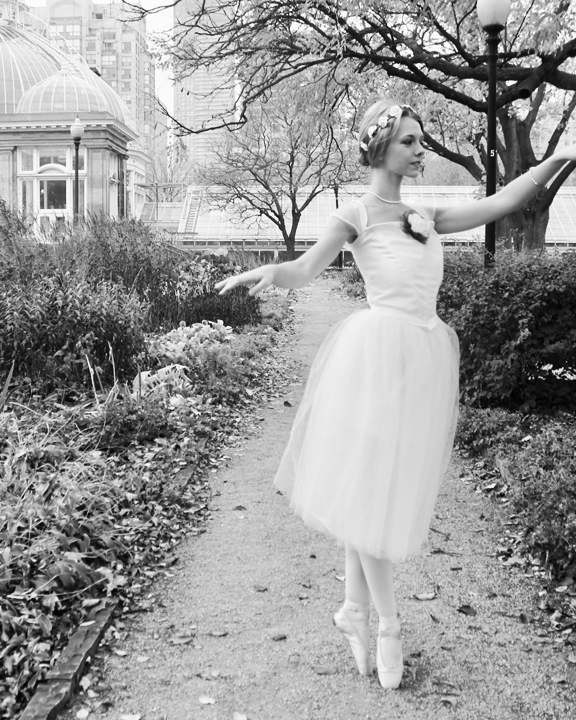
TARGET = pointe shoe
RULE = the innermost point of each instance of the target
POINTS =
(356, 629)
(389, 658)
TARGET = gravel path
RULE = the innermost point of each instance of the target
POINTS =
(258, 575)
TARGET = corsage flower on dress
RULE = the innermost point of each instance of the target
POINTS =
(414, 224)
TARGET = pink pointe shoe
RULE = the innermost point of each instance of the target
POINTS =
(389, 658)
(355, 627)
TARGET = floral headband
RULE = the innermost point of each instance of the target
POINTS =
(384, 120)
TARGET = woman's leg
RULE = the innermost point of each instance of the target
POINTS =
(380, 579)
(379, 576)
(353, 619)
(357, 590)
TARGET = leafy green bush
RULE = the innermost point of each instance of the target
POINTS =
(516, 324)
(484, 431)
(58, 329)
(174, 285)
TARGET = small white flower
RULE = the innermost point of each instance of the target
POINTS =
(418, 224)
(383, 120)
(395, 111)
(364, 146)
(372, 130)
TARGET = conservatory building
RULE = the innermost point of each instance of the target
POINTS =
(43, 89)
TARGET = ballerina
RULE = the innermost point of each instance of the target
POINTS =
(374, 431)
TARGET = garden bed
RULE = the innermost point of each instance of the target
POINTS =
(95, 496)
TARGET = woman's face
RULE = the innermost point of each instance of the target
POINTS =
(405, 153)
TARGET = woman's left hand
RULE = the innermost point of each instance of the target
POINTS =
(260, 278)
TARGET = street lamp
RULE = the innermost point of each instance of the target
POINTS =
(76, 130)
(493, 15)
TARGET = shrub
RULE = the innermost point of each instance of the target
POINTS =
(516, 324)
(56, 328)
(485, 431)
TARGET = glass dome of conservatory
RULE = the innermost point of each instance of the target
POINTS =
(38, 76)
(23, 63)
(63, 92)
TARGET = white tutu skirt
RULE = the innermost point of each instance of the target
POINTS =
(374, 432)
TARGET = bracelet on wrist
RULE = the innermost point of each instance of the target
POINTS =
(531, 174)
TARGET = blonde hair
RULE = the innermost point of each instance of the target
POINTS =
(373, 145)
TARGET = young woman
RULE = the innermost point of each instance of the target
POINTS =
(374, 432)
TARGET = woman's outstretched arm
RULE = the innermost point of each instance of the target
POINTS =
(511, 197)
(295, 273)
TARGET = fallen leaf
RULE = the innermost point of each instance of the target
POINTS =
(323, 670)
(90, 602)
(83, 714)
(239, 507)
(278, 637)
(239, 716)
(302, 596)
(85, 682)
(218, 633)
(120, 653)
(181, 639)
(260, 588)
(340, 577)
(525, 618)
(558, 679)
(287, 403)
(142, 658)
(448, 700)
(434, 618)
(205, 700)
(130, 717)
(572, 659)
(104, 705)
(425, 596)
(467, 610)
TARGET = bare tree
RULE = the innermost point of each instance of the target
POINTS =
(437, 45)
(287, 153)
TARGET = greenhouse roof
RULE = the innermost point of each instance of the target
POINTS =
(201, 224)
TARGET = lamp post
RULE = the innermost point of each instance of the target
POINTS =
(76, 130)
(493, 15)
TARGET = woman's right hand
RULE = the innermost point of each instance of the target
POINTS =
(259, 279)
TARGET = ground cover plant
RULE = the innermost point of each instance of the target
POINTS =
(526, 462)
(95, 496)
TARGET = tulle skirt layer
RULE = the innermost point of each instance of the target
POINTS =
(374, 432)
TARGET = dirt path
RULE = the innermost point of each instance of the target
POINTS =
(259, 574)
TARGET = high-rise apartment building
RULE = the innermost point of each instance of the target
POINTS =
(199, 97)
(115, 49)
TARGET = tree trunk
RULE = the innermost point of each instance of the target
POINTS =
(524, 229)
(290, 242)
